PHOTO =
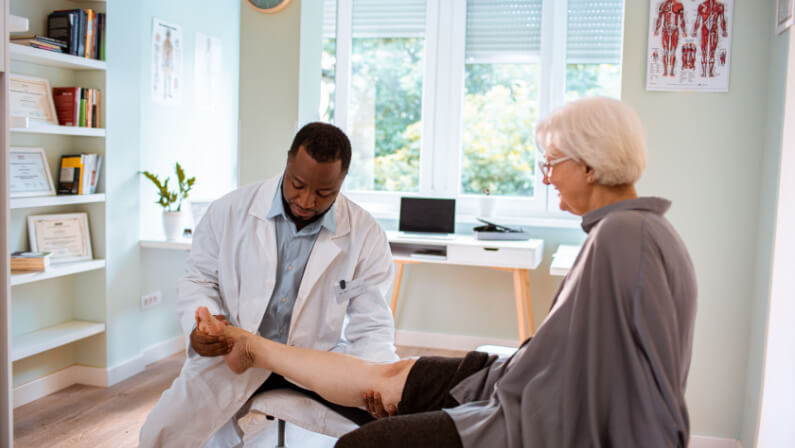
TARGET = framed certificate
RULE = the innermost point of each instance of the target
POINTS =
(29, 173)
(66, 236)
(31, 97)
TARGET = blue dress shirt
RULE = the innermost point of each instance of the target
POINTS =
(293, 251)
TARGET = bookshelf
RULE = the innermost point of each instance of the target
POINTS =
(59, 314)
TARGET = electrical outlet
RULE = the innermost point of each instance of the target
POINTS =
(150, 300)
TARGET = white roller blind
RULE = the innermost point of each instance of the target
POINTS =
(388, 18)
(503, 30)
(594, 30)
(329, 19)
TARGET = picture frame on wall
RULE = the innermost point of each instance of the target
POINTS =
(29, 173)
(31, 97)
(784, 15)
(65, 235)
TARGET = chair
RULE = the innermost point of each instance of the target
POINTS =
(288, 405)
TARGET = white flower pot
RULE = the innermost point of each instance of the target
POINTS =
(173, 225)
(488, 205)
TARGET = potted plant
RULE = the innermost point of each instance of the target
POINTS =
(171, 201)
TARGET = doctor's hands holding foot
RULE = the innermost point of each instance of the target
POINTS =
(206, 344)
(238, 355)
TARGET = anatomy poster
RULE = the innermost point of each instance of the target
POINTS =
(166, 62)
(689, 45)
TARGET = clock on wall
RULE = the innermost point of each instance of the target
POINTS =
(268, 6)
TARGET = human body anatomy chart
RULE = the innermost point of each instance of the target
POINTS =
(689, 45)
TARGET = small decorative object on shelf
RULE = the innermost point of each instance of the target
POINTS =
(171, 201)
(30, 261)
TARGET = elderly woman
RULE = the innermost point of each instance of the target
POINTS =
(608, 365)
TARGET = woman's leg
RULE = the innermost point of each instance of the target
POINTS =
(338, 378)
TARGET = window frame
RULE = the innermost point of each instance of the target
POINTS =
(443, 84)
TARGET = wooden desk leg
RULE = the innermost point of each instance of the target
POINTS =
(528, 301)
(396, 288)
(518, 292)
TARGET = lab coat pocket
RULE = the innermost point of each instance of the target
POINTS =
(345, 290)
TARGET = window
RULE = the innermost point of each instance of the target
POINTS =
(441, 98)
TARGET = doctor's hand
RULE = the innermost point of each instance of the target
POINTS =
(375, 405)
(206, 344)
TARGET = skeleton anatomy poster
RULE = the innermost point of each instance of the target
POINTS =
(689, 45)
(166, 62)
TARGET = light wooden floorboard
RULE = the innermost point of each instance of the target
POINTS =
(86, 416)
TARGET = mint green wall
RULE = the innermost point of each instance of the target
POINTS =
(147, 136)
(707, 154)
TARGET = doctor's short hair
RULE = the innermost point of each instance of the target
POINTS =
(323, 142)
(603, 133)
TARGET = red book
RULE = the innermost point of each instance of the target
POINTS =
(67, 104)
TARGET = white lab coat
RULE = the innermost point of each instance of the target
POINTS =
(232, 270)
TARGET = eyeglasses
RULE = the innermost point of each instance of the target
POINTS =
(544, 167)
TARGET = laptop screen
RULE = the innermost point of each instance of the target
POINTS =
(427, 215)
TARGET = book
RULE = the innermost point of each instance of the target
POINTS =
(38, 38)
(70, 175)
(89, 36)
(30, 261)
(69, 25)
(81, 119)
(95, 174)
(67, 105)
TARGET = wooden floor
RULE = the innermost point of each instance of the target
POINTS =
(87, 416)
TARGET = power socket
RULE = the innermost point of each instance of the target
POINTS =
(150, 300)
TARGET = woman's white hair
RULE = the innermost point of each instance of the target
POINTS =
(603, 133)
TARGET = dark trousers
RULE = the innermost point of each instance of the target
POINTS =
(420, 421)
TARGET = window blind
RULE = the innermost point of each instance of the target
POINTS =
(379, 18)
(329, 19)
(503, 30)
(594, 30)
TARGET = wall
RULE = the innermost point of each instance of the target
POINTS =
(269, 72)
(768, 196)
(710, 143)
(777, 404)
(154, 138)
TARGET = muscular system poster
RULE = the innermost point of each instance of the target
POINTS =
(689, 45)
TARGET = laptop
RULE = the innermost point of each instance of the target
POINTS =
(428, 218)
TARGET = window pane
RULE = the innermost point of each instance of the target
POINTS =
(500, 113)
(328, 72)
(583, 80)
(385, 113)
(593, 48)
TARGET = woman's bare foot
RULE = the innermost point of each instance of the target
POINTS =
(240, 358)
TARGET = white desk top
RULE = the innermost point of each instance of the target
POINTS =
(563, 259)
(466, 250)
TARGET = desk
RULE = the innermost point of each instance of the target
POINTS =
(517, 257)
(563, 259)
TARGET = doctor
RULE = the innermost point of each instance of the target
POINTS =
(291, 259)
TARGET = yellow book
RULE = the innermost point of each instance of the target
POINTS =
(70, 179)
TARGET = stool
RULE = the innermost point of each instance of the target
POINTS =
(287, 405)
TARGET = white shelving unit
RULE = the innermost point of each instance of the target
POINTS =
(40, 341)
(57, 270)
(45, 128)
(27, 53)
(72, 296)
(47, 201)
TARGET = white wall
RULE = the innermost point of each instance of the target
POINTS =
(778, 396)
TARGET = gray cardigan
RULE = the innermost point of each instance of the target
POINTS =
(608, 365)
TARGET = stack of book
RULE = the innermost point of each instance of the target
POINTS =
(78, 106)
(79, 174)
(30, 261)
(41, 42)
(82, 29)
